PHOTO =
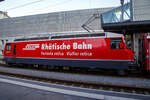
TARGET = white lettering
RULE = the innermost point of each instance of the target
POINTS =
(85, 54)
(72, 53)
(82, 46)
(55, 46)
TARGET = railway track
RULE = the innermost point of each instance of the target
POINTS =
(96, 72)
(72, 80)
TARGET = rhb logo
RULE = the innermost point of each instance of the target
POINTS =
(31, 46)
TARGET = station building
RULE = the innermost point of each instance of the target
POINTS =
(132, 19)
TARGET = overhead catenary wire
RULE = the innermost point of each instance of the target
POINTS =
(23, 5)
(52, 5)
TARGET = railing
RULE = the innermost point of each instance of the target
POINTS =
(120, 14)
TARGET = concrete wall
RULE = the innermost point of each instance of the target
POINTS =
(45, 23)
(141, 10)
(51, 22)
(2, 44)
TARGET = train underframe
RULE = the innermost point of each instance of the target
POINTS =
(120, 66)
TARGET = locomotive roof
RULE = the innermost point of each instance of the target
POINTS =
(64, 35)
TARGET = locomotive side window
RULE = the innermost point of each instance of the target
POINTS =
(78, 36)
(115, 43)
(31, 39)
(8, 47)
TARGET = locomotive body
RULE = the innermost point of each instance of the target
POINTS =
(92, 50)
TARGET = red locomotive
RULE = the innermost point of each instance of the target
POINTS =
(144, 52)
(94, 50)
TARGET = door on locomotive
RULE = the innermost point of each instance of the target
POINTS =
(10, 53)
(14, 50)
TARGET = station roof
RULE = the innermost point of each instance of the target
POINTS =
(128, 27)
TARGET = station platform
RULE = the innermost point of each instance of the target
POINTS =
(15, 89)
(96, 79)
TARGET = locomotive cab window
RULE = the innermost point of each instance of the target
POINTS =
(116, 43)
(8, 47)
